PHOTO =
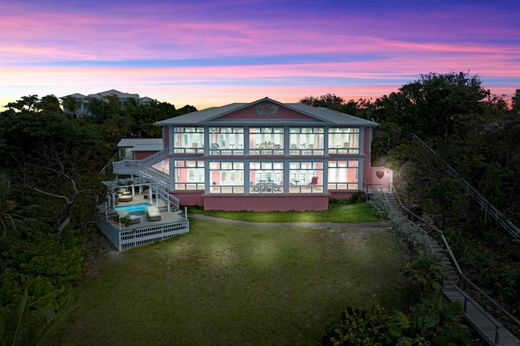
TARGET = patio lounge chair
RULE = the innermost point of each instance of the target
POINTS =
(153, 213)
(125, 198)
(121, 214)
(133, 219)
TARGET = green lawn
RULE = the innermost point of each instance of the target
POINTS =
(225, 284)
(343, 212)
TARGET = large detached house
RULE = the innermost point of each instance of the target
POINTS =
(263, 155)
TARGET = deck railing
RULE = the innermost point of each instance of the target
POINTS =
(124, 239)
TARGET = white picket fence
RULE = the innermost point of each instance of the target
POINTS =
(125, 239)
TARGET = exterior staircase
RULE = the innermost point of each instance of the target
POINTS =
(435, 247)
(143, 168)
(489, 328)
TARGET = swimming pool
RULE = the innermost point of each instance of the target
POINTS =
(136, 209)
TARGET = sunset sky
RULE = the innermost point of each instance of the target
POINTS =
(209, 53)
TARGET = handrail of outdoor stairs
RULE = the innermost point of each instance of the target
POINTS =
(109, 162)
(455, 262)
(154, 158)
(488, 207)
(489, 317)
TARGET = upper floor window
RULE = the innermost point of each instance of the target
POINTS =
(306, 141)
(344, 140)
(266, 141)
(188, 140)
(226, 141)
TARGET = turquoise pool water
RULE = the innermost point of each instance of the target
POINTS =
(134, 208)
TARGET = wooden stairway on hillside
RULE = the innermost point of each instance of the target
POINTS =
(482, 321)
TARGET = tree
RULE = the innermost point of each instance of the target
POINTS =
(515, 100)
(25, 103)
(328, 101)
(49, 104)
(186, 109)
(9, 216)
(52, 156)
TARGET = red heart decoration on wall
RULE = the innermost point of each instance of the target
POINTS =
(380, 174)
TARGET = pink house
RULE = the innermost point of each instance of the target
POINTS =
(263, 155)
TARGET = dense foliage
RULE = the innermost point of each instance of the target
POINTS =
(49, 191)
(430, 320)
(476, 133)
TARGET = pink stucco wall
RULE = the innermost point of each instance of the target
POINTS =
(189, 198)
(139, 155)
(381, 178)
(266, 202)
(166, 136)
(250, 113)
(367, 165)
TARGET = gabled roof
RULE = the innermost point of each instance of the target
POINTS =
(316, 114)
(74, 96)
(114, 92)
(141, 144)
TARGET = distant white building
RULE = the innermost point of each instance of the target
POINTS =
(79, 104)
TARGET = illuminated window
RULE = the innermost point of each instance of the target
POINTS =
(343, 175)
(344, 140)
(226, 141)
(189, 175)
(306, 177)
(163, 166)
(266, 141)
(266, 177)
(226, 177)
(188, 140)
(306, 141)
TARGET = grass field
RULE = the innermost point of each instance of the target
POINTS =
(225, 284)
(343, 212)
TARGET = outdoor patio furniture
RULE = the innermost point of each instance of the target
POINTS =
(153, 213)
(121, 214)
(126, 198)
(133, 219)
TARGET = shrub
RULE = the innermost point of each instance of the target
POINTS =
(358, 327)
(426, 274)
(358, 196)
(47, 263)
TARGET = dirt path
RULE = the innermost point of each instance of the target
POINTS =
(291, 224)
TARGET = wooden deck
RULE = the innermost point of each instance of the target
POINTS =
(144, 232)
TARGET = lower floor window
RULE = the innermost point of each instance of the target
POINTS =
(266, 177)
(343, 175)
(306, 177)
(189, 175)
(163, 166)
(226, 177)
